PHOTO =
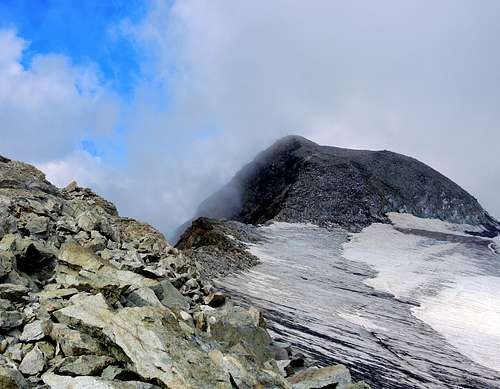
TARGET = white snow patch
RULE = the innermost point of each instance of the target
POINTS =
(468, 315)
(408, 264)
(458, 297)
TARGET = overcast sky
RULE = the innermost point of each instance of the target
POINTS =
(156, 104)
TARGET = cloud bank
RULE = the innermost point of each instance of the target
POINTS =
(222, 80)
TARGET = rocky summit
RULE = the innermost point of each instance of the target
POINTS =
(89, 299)
(296, 180)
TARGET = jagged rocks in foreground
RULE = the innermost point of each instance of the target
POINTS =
(92, 300)
(297, 181)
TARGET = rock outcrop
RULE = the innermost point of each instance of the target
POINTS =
(89, 299)
(207, 239)
(296, 180)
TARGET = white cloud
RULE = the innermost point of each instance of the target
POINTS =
(79, 166)
(223, 79)
(417, 77)
(47, 107)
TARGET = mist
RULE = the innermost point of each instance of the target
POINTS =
(222, 80)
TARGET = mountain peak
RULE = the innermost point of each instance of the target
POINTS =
(297, 180)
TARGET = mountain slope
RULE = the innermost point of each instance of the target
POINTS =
(296, 180)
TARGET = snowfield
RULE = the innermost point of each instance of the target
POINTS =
(457, 289)
(412, 304)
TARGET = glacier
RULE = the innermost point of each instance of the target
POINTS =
(411, 304)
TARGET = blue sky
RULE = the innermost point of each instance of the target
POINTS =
(156, 103)
(88, 34)
(81, 30)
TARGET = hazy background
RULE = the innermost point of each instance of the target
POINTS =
(156, 104)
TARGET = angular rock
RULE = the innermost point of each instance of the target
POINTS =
(12, 379)
(37, 225)
(142, 297)
(13, 292)
(8, 242)
(336, 376)
(36, 330)
(7, 261)
(33, 255)
(55, 381)
(87, 221)
(215, 299)
(84, 365)
(57, 293)
(47, 349)
(359, 385)
(243, 374)
(152, 342)
(170, 296)
(15, 352)
(117, 373)
(235, 326)
(33, 363)
(79, 257)
(10, 319)
(73, 342)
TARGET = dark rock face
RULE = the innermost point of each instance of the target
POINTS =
(218, 246)
(296, 180)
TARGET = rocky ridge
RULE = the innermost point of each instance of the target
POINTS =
(89, 299)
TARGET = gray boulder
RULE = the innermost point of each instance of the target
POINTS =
(12, 379)
(336, 376)
(36, 330)
(84, 365)
(33, 363)
(55, 381)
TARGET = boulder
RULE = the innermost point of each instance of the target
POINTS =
(56, 293)
(171, 297)
(236, 326)
(35, 258)
(13, 292)
(8, 242)
(36, 330)
(153, 342)
(79, 257)
(12, 379)
(7, 261)
(87, 221)
(84, 365)
(47, 349)
(113, 372)
(142, 297)
(55, 381)
(73, 342)
(33, 363)
(37, 225)
(336, 376)
(10, 319)
(215, 299)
